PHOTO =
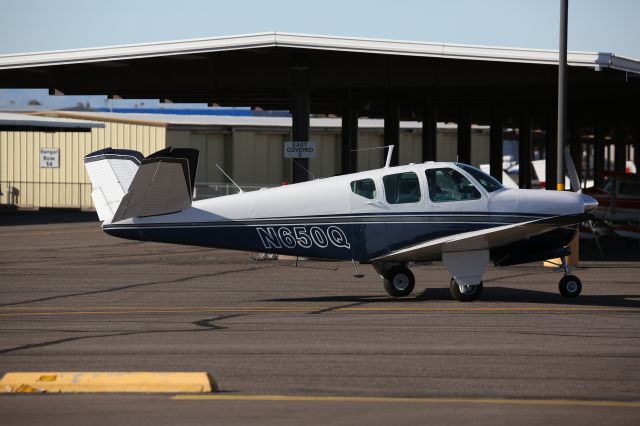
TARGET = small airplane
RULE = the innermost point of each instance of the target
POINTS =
(387, 217)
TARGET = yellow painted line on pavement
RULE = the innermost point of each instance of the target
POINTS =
(489, 309)
(485, 401)
(149, 311)
(96, 382)
(152, 308)
(81, 310)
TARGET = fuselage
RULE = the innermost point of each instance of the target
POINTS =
(359, 216)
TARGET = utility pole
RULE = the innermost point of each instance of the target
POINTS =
(562, 94)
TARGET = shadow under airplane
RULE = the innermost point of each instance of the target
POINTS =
(490, 294)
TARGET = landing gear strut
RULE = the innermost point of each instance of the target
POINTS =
(569, 285)
(465, 293)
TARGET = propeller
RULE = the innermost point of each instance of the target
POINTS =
(577, 188)
(572, 172)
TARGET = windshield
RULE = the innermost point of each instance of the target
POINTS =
(488, 182)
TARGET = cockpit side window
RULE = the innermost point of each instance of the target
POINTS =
(365, 188)
(401, 188)
(488, 182)
(447, 184)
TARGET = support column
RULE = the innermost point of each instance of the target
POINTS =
(621, 148)
(429, 130)
(392, 127)
(300, 121)
(551, 148)
(495, 144)
(524, 150)
(636, 145)
(349, 134)
(598, 153)
(464, 136)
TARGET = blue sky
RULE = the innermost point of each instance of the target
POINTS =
(594, 25)
(40, 25)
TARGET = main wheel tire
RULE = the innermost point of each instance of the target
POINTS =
(465, 293)
(570, 286)
(399, 281)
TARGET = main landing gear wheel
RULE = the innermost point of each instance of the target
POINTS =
(399, 281)
(570, 286)
(465, 293)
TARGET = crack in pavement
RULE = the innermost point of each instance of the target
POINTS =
(130, 286)
(206, 324)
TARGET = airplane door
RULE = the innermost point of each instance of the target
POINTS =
(366, 210)
(404, 199)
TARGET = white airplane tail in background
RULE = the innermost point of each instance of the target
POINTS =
(126, 184)
(111, 172)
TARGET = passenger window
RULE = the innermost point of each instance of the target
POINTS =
(364, 187)
(401, 188)
(450, 185)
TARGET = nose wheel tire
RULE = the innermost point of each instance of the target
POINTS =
(465, 293)
(399, 281)
(570, 286)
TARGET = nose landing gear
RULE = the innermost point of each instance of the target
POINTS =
(569, 285)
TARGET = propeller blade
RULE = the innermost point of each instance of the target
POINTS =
(571, 171)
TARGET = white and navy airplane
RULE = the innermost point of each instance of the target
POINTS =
(388, 217)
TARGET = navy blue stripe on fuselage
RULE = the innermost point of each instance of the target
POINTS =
(359, 237)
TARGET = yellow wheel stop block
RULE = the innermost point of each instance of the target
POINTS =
(113, 382)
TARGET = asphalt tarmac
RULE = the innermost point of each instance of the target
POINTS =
(310, 344)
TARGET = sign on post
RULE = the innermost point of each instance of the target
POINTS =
(299, 150)
(50, 158)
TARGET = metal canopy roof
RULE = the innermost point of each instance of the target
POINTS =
(257, 70)
(225, 121)
(13, 120)
(305, 41)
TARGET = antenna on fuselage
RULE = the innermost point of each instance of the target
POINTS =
(389, 154)
(229, 177)
(295, 163)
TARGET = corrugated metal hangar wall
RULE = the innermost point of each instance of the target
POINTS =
(251, 154)
(25, 182)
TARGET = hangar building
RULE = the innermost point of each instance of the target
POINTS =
(250, 150)
(351, 77)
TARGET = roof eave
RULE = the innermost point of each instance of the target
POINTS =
(593, 60)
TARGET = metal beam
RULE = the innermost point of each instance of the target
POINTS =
(636, 144)
(349, 133)
(429, 130)
(300, 121)
(495, 143)
(598, 152)
(464, 136)
(620, 158)
(392, 127)
(524, 150)
(551, 154)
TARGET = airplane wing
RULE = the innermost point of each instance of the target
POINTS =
(484, 239)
